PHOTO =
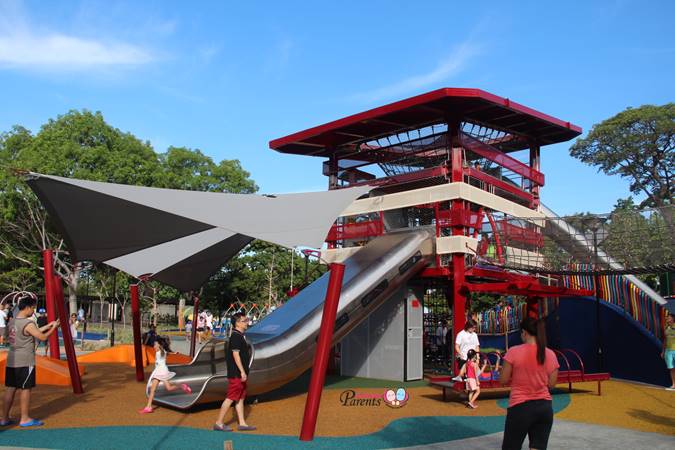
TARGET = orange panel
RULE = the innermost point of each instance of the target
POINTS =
(49, 371)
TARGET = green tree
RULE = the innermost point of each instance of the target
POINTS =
(637, 144)
(80, 144)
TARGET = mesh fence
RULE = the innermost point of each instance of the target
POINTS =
(625, 241)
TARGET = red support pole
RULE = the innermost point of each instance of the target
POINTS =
(193, 338)
(48, 262)
(136, 325)
(457, 209)
(75, 379)
(323, 346)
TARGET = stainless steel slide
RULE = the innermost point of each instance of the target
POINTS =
(582, 247)
(284, 342)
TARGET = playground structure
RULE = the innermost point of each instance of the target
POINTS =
(447, 202)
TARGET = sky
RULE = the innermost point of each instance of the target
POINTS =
(227, 77)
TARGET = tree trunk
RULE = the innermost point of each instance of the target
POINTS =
(72, 280)
(181, 308)
(154, 307)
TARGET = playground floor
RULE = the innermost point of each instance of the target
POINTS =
(626, 416)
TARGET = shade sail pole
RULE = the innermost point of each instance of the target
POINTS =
(136, 324)
(50, 304)
(75, 379)
(323, 345)
(193, 338)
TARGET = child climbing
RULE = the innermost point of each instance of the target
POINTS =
(161, 374)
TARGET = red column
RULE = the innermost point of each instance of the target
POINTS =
(67, 337)
(323, 346)
(457, 209)
(195, 313)
(136, 325)
(535, 163)
(48, 262)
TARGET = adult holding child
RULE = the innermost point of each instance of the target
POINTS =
(531, 369)
(20, 369)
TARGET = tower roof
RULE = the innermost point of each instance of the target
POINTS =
(442, 105)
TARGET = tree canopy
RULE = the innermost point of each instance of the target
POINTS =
(80, 144)
(637, 144)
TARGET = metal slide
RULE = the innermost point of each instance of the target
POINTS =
(581, 247)
(284, 342)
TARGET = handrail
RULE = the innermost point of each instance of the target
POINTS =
(567, 363)
(581, 362)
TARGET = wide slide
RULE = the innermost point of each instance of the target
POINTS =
(284, 342)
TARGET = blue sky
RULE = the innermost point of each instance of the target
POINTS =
(227, 77)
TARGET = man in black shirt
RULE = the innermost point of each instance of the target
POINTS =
(238, 358)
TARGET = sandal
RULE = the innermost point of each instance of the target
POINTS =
(146, 410)
(32, 423)
(246, 428)
(223, 427)
(187, 389)
(7, 422)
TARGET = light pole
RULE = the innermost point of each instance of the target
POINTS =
(596, 224)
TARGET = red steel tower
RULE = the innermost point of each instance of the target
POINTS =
(464, 161)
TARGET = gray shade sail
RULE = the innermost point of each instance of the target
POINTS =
(180, 237)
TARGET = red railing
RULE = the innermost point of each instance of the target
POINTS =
(489, 152)
(359, 230)
(514, 233)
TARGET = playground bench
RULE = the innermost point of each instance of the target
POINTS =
(568, 376)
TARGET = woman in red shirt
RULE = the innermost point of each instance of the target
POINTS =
(531, 369)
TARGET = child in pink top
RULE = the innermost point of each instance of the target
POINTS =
(473, 371)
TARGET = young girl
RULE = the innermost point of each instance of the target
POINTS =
(161, 374)
(473, 371)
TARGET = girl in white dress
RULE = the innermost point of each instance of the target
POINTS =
(161, 374)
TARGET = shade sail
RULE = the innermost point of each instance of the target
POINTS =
(180, 237)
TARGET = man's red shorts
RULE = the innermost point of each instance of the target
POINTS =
(236, 389)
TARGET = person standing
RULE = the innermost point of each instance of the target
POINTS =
(669, 348)
(20, 370)
(3, 323)
(41, 322)
(238, 358)
(466, 340)
(531, 369)
(74, 324)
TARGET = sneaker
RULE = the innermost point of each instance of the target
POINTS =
(187, 389)
(672, 388)
(32, 423)
(145, 410)
(457, 378)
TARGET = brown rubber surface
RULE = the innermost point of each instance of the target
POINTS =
(113, 397)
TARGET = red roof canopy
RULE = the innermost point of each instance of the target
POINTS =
(439, 106)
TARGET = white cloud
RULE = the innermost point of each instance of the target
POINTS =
(23, 45)
(455, 63)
